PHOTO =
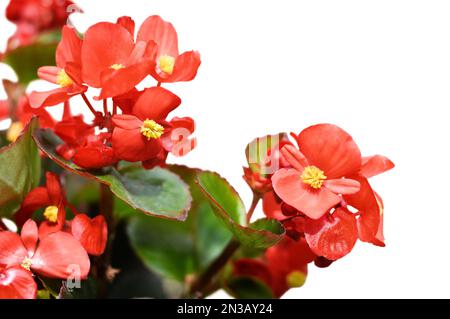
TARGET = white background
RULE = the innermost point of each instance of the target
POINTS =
(379, 69)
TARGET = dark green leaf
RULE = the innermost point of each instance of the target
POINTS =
(156, 192)
(20, 170)
(180, 250)
(229, 208)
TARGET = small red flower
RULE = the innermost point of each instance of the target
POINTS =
(170, 65)
(112, 60)
(137, 137)
(91, 233)
(66, 73)
(51, 197)
(51, 257)
(17, 283)
(327, 155)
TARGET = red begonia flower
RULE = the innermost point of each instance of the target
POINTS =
(91, 233)
(333, 235)
(53, 256)
(51, 197)
(327, 155)
(66, 73)
(17, 283)
(95, 153)
(112, 60)
(285, 266)
(170, 65)
(137, 137)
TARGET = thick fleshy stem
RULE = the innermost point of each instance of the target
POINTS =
(89, 105)
(206, 279)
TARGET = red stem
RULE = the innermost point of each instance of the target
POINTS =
(105, 107)
(89, 105)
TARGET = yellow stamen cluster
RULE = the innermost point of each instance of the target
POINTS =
(150, 129)
(26, 263)
(14, 131)
(295, 279)
(117, 66)
(166, 63)
(51, 214)
(63, 80)
(313, 176)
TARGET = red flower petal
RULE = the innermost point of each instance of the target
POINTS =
(290, 188)
(34, 200)
(368, 207)
(155, 103)
(130, 145)
(12, 250)
(331, 149)
(104, 45)
(54, 188)
(272, 206)
(127, 23)
(17, 283)
(294, 157)
(127, 122)
(29, 236)
(162, 32)
(92, 234)
(49, 73)
(46, 227)
(127, 101)
(185, 68)
(176, 138)
(94, 156)
(332, 236)
(375, 165)
(69, 48)
(59, 255)
(342, 186)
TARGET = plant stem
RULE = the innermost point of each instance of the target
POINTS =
(255, 202)
(89, 105)
(105, 107)
(206, 277)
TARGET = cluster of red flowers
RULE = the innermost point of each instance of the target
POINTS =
(33, 17)
(58, 248)
(110, 59)
(321, 193)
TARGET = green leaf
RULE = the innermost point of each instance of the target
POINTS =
(248, 288)
(156, 192)
(26, 60)
(180, 250)
(228, 207)
(20, 170)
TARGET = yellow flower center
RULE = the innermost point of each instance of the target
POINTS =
(63, 80)
(117, 66)
(150, 129)
(295, 279)
(313, 176)
(51, 214)
(166, 63)
(14, 131)
(26, 263)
